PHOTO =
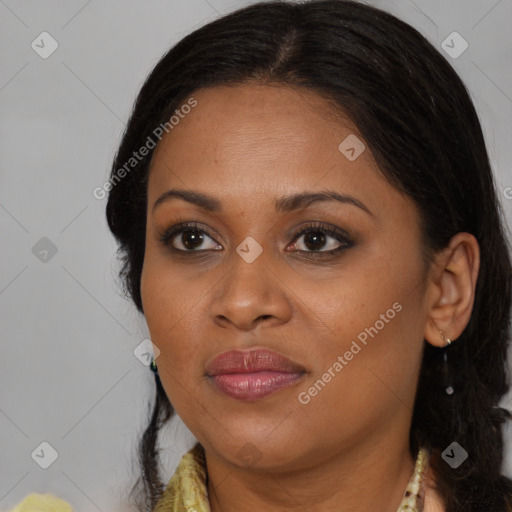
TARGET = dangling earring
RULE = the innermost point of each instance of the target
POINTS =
(449, 389)
(153, 367)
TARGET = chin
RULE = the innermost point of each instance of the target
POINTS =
(259, 450)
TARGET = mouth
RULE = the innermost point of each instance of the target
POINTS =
(254, 374)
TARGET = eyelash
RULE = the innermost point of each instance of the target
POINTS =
(166, 237)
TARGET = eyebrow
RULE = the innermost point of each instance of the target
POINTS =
(284, 204)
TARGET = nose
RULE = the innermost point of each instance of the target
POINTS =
(249, 295)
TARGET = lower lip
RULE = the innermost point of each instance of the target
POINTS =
(251, 386)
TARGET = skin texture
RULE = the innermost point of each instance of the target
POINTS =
(347, 449)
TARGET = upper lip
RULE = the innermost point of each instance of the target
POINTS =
(251, 361)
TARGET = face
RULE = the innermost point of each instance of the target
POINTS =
(332, 281)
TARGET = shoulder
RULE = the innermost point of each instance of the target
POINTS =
(42, 503)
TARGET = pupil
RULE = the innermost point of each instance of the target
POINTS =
(317, 239)
(189, 238)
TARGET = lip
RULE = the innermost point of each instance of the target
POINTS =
(253, 374)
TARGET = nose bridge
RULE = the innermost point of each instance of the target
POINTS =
(248, 276)
(250, 289)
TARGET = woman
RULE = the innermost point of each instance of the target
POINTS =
(306, 213)
(317, 248)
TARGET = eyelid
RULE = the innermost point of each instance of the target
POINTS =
(326, 227)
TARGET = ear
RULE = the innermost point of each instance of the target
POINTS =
(451, 289)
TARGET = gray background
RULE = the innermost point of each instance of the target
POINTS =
(69, 376)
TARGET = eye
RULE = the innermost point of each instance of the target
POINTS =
(191, 240)
(316, 237)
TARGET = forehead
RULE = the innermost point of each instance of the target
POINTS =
(253, 143)
(240, 117)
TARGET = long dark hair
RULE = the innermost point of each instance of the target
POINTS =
(417, 117)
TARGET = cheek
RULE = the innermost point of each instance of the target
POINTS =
(365, 371)
(173, 312)
(169, 312)
(372, 317)
(373, 293)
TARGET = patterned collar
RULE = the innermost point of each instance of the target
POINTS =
(187, 490)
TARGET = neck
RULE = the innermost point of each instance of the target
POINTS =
(373, 476)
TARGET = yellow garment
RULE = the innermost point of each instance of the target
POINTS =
(187, 489)
(42, 503)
